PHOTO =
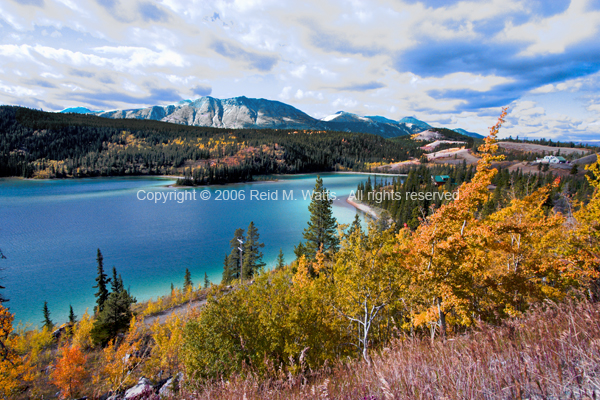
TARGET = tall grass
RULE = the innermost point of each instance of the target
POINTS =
(552, 353)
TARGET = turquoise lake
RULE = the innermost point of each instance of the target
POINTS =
(50, 232)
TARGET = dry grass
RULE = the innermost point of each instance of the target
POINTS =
(553, 353)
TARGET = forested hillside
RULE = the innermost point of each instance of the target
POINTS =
(45, 145)
(394, 195)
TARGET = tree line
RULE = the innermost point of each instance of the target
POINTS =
(47, 145)
(403, 209)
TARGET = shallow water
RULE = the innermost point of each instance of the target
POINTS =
(50, 232)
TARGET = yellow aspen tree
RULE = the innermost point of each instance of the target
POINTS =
(524, 262)
(168, 340)
(366, 280)
(82, 332)
(15, 370)
(121, 360)
(445, 246)
(584, 250)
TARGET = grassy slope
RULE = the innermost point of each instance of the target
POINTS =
(551, 353)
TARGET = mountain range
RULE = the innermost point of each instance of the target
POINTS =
(243, 112)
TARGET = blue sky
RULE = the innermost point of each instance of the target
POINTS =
(449, 63)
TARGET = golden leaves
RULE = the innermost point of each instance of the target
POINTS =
(69, 373)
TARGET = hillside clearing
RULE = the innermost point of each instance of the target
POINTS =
(537, 148)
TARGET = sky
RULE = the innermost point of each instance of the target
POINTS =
(449, 63)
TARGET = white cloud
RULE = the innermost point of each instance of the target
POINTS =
(51, 75)
(19, 91)
(553, 35)
(344, 102)
(285, 93)
(460, 80)
(322, 46)
(301, 94)
(299, 72)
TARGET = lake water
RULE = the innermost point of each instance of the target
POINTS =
(50, 232)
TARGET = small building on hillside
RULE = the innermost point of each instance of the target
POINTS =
(552, 160)
(440, 180)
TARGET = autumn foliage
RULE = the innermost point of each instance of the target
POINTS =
(69, 373)
(385, 296)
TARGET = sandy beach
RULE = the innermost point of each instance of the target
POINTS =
(364, 208)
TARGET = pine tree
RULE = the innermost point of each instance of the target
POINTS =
(355, 225)
(187, 280)
(115, 315)
(206, 281)
(102, 281)
(116, 283)
(280, 260)
(231, 266)
(574, 169)
(252, 256)
(300, 250)
(72, 316)
(322, 225)
(47, 321)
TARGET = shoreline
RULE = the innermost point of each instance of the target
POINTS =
(368, 173)
(182, 177)
(364, 208)
(176, 186)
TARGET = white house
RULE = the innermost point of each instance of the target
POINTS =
(552, 160)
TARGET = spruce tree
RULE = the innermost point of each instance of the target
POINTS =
(72, 316)
(300, 250)
(115, 315)
(322, 226)
(187, 280)
(102, 281)
(231, 266)
(280, 260)
(116, 283)
(206, 281)
(252, 256)
(355, 226)
(574, 169)
(47, 321)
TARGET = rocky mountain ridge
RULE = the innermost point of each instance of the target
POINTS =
(243, 112)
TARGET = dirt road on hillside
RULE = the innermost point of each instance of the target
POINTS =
(180, 310)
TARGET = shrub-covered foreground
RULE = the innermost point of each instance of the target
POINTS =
(551, 353)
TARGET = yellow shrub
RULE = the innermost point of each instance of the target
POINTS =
(82, 331)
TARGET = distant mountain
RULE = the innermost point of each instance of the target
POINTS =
(243, 112)
(417, 122)
(235, 113)
(79, 110)
(348, 122)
